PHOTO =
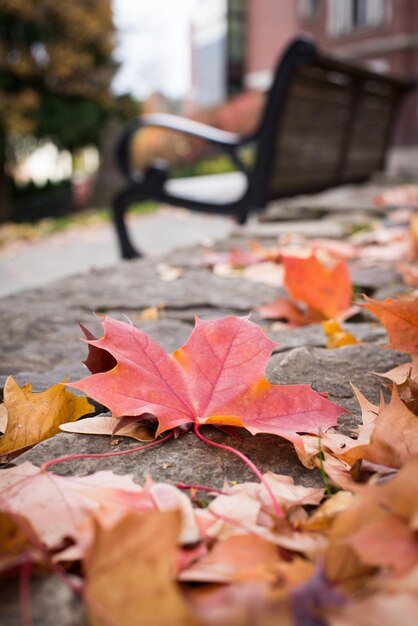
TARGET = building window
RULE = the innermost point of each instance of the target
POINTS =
(344, 16)
(236, 44)
(308, 9)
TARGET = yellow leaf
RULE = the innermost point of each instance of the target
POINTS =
(336, 336)
(33, 417)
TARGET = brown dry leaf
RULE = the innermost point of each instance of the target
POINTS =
(380, 609)
(239, 558)
(248, 604)
(337, 337)
(402, 372)
(129, 573)
(105, 425)
(3, 417)
(377, 530)
(394, 439)
(33, 417)
(325, 515)
(59, 506)
(400, 318)
(408, 393)
(18, 541)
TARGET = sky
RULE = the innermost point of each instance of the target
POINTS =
(153, 46)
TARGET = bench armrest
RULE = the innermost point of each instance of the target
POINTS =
(228, 141)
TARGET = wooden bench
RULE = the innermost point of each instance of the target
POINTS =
(325, 123)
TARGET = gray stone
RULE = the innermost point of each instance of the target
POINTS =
(374, 277)
(332, 371)
(314, 335)
(52, 603)
(330, 228)
(185, 459)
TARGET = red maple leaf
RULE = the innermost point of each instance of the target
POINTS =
(217, 377)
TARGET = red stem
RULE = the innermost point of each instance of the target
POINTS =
(25, 601)
(278, 509)
(201, 488)
(71, 457)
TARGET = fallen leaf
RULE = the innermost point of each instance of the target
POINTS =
(394, 439)
(168, 273)
(400, 318)
(130, 573)
(18, 541)
(217, 377)
(337, 337)
(59, 506)
(399, 195)
(245, 604)
(97, 360)
(239, 558)
(151, 313)
(291, 312)
(33, 417)
(324, 516)
(380, 609)
(105, 425)
(377, 530)
(401, 373)
(3, 417)
(327, 290)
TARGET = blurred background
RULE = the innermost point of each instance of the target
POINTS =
(72, 73)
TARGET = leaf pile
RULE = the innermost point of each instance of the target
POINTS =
(139, 555)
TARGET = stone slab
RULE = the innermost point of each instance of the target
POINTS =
(332, 371)
(314, 335)
(52, 603)
(185, 459)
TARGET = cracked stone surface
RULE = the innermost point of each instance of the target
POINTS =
(186, 459)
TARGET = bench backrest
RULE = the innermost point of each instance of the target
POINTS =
(326, 123)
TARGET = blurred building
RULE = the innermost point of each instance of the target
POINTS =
(252, 34)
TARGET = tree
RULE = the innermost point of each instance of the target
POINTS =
(55, 72)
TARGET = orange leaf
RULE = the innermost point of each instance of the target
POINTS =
(130, 573)
(400, 318)
(323, 289)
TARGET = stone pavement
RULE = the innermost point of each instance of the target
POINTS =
(39, 344)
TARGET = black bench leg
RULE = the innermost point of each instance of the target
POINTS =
(120, 203)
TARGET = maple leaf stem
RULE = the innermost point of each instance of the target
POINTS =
(24, 592)
(104, 455)
(278, 509)
(201, 488)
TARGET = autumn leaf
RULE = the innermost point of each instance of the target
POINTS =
(337, 337)
(18, 541)
(105, 425)
(130, 573)
(59, 506)
(239, 558)
(217, 377)
(400, 318)
(291, 312)
(33, 417)
(378, 529)
(327, 290)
